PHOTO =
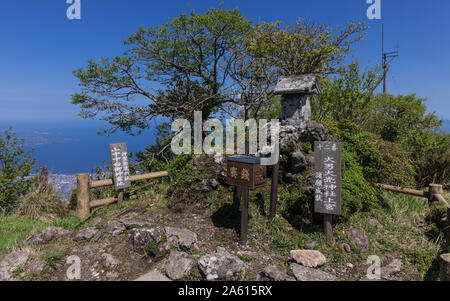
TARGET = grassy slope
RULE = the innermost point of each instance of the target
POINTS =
(407, 231)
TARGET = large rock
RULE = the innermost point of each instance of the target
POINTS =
(220, 266)
(109, 261)
(315, 132)
(297, 162)
(153, 276)
(165, 247)
(185, 237)
(47, 235)
(85, 234)
(308, 258)
(388, 272)
(303, 273)
(11, 263)
(358, 238)
(179, 265)
(142, 238)
(272, 273)
(115, 227)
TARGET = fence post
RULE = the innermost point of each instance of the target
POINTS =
(83, 196)
(444, 260)
(434, 189)
(447, 228)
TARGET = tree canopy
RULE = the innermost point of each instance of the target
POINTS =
(205, 62)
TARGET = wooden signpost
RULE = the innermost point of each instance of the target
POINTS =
(245, 173)
(328, 183)
(120, 168)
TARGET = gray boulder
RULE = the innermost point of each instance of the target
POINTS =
(142, 238)
(303, 273)
(179, 265)
(297, 162)
(165, 247)
(115, 227)
(153, 276)
(272, 273)
(220, 266)
(315, 132)
(388, 272)
(85, 234)
(47, 235)
(109, 261)
(11, 263)
(358, 238)
(185, 237)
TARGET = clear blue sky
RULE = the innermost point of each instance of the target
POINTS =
(40, 47)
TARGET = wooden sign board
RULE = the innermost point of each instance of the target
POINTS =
(328, 181)
(120, 168)
(245, 171)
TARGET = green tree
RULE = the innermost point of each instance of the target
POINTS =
(187, 60)
(348, 95)
(305, 47)
(16, 165)
(398, 118)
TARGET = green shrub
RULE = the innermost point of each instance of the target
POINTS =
(16, 166)
(357, 194)
(381, 161)
(42, 203)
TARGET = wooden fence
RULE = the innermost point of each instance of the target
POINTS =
(84, 203)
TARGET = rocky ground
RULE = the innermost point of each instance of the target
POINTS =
(138, 245)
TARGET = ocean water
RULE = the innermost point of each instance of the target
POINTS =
(70, 147)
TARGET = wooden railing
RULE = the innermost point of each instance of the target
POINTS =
(84, 203)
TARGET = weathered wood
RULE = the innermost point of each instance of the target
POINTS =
(119, 197)
(444, 263)
(440, 198)
(119, 165)
(328, 177)
(434, 189)
(83, 206)
(237, 193)
(147, 176)
(447, 228)
(274, 190)
(244, 216)
(328, 227)
(102, 202)
(408, 191)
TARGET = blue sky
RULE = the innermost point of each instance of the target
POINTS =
(40, 47)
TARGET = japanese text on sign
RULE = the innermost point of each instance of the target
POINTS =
(119, 160)
(327, 177)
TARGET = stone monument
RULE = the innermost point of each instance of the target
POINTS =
(295, 94)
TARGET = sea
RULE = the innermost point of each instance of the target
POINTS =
(70, 147)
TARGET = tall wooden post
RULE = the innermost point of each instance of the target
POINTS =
(444, 262)
(434, 189)
(237, 198)
(244, 216)
(447, 228)
(328, 226)
(119, 197)
(274, 191)
(83, 196)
